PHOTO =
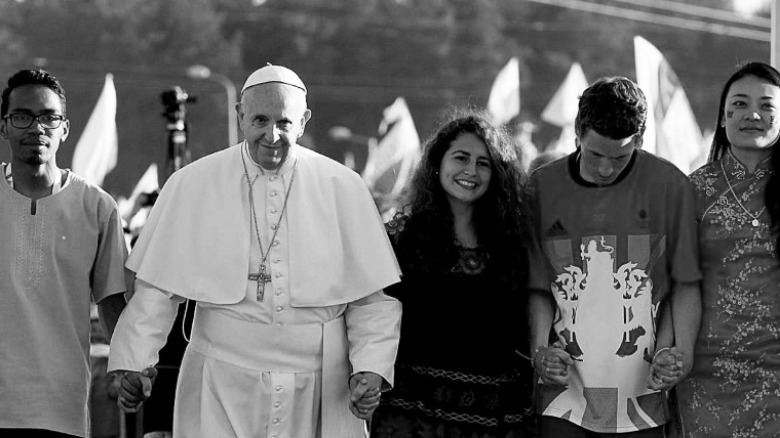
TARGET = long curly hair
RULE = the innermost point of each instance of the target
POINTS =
(720, 142)
(428, 241)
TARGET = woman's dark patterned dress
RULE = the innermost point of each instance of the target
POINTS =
(457, 373)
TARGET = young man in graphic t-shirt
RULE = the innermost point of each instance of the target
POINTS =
(617, 228)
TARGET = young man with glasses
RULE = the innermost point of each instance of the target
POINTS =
(62, 246)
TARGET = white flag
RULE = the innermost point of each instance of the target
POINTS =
(132, 213)
(504, 101)
(565, 143)
(562, 109)
(392, 158)
(148, 182)
(96, 151)
(672, 130)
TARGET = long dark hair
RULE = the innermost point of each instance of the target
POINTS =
(720, 141)
(427, 242)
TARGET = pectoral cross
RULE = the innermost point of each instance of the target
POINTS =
(261, 277)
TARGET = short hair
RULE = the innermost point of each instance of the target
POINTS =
(32, 77)
(614, 107)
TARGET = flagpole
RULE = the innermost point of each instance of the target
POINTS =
(203, 72)
(774, 32)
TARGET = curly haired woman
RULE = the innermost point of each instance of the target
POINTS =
(461, 248)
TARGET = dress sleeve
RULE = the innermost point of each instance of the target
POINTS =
(142, 329)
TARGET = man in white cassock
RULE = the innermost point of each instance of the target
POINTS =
(285, 254)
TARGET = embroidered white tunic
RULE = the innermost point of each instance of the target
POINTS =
(268, 368)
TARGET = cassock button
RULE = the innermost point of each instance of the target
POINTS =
(277, 293)
(277, 260)
(274, 227)
(277, 404)
(273, 211)
(273, 178)
(278, 275)
(276, 421)
(273, 193)
(279, 388)
(279, 308)
(275, 243)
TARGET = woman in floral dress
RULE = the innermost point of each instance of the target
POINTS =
(461, 251)
(734, 387)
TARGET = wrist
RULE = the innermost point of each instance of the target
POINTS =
(659, 351)
(536, 354)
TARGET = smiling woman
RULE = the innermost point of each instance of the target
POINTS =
(462, 241)
(732, 389)
(465, 171)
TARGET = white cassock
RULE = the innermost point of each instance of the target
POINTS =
(277, 367)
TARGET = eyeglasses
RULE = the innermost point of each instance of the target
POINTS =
(24, 121)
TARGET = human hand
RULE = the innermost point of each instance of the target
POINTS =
(365, 392)
(552, 364)
(667, 369)
(134, 388)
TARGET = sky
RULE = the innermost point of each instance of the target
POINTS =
(749, 8)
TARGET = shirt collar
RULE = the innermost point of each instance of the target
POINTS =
(735, 169)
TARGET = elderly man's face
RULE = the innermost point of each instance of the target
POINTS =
(272, 117)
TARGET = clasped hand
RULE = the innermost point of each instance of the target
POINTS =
(667, 369)
(134, 388)
(365, 392)
(552, 364)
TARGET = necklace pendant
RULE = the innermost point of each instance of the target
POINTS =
(754, 222)
(260, 292)
(261, 277)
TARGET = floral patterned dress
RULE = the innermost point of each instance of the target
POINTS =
(457, 373)
(734, 388)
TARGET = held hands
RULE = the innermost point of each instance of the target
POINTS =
(552, 364)
(668, 369)
(365, 393)
(134, 388)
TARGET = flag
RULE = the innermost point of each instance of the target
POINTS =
(132, 213)
(148, 182)
(565, 143)
(672, 130)
(562, 109)
(96, 151)
(504, 101)
(704, 149)
(394, 155)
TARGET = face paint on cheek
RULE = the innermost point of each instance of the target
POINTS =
(729, 114)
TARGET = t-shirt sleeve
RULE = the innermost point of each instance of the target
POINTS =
(108, 273)
(683, 232)
(539, 268)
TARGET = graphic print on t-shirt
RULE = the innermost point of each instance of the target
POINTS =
(618, 297)
(606, 320)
